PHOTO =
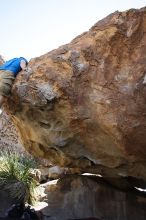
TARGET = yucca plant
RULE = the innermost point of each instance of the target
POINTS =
(16, 178)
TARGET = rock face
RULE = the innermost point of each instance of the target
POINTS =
(80, 197)
(84, 104)
(9, 138)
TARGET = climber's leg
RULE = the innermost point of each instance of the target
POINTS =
(6, 82)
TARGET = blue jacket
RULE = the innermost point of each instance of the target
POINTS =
(13, 65)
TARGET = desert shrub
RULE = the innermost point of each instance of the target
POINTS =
(15, 176)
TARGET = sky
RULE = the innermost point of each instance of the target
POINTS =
(31, 28)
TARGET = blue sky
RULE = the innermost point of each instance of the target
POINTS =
(31, 28)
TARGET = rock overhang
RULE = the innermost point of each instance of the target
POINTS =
(84, 104)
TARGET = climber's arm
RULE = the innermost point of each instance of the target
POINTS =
(23, 64)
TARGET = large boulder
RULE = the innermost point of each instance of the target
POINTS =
(84, 105)
(81, 197)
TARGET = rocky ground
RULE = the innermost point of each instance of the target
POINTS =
(85, 197)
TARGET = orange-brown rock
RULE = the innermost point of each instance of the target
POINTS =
(84, 104)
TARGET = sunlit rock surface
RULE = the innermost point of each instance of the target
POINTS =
(84, 104)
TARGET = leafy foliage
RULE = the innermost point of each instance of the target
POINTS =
(15, 176)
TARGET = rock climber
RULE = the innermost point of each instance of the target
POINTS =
(8, 72)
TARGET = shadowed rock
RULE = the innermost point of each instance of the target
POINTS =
(81, 197)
